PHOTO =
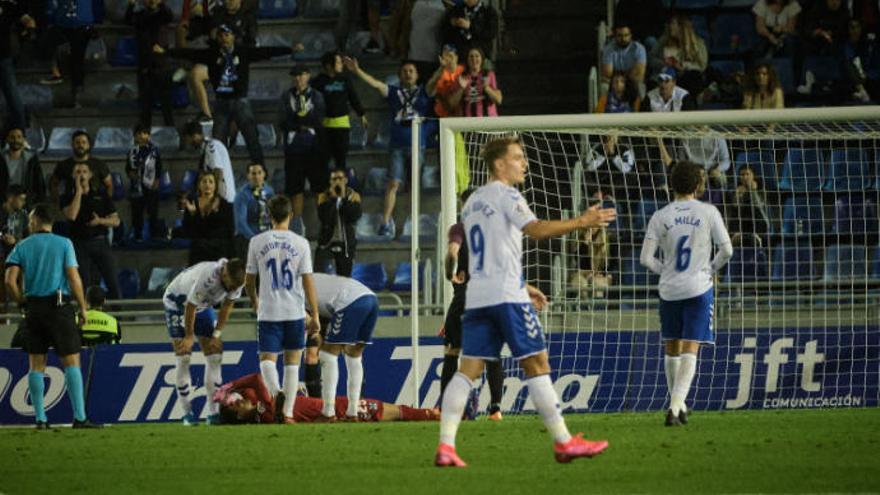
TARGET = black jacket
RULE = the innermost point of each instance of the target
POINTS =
(483, 29)
(347, 212)
(211, 235)
(339, 95)
(294, 118)
(34, 182)
(232, 84)
(147, 25)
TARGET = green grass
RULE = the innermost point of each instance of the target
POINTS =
(769, 451)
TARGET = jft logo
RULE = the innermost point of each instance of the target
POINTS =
(778, 354)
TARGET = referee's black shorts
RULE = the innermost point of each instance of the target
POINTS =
(51, 325)
(452, 325)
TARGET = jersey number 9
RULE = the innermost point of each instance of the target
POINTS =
(477, 246)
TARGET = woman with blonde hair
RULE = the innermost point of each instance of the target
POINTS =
(682, 49)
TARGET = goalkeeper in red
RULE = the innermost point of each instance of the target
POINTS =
(499, 304)
(685, 231)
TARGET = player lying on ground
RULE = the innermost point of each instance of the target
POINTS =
(685, 231)
(247, 400)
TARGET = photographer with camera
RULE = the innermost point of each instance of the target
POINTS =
(339, 209)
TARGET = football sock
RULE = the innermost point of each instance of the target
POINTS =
(414, 414)
(329, 380)
(74, 380)
(270, 375)
(683, 379)
(291, 384)
(354, 366)
(495, 377)
(450, 366)
(547, 403)
(184, 382)
(670, 365)
(454, 400)
(313, 379)
(37, 389)
(213, 380)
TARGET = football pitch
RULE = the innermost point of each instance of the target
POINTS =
(814, 451)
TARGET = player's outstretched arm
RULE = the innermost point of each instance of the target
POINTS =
(595, 216)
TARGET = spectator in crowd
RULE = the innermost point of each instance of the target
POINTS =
(195, 25)
(747, 211)
(867, 12)
(61, 182)
(682, 49)
(13, 226)
(407, 102)
(624, 55)
(13, 18)
(825, 29)
(415, 34)
(213, 155)
(350, 15)
(762, 89)
(208, 222)
(714, 156)
(481, 94)
(339, 209)
(776, 24)
(340, 99)
(615, 154)
(144, 167)
(642, 16)
(251, 208)
(240, 17)
(444, 85)
(668, 96)
(229, 70)
(73, 23)
(622, 96)
(471, 23)
(153, 76)
(862, 62)
(91, 213)
(301, 125)
(20, 165)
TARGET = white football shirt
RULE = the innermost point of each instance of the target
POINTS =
(336, 293)
(202, 286)
(280, 258)
(493, 219)
(684, 232)
(216, 156)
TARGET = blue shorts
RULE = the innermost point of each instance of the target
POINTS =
(689, 319)
(400, 163)
(206, 319)
(355, 323)
(277, 336)
(485, 330)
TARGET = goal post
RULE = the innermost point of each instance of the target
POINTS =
(796, 309)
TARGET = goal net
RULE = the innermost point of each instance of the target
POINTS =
(796, 309)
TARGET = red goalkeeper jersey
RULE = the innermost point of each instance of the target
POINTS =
(306, 409)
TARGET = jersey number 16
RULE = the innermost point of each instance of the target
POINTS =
(286, 280)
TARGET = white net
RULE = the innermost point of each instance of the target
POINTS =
(796, 314)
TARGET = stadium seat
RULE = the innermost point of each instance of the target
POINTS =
(129, 283)
(762, 163)
(848, 170)
(118, 186)
(315, 44)
(165, 138)
(179, 96)
(431, 178)
(727, 67)
(695, 4)
(60, 139)
(357, 41)
(36, 97)
(116, 140)
(784, 68)
(733, 34)
(357, 138)
(353, 181)
(374, 183)
(802, 170)
(35, 138)
(189, 181)
(321, 8)
(403, 277)
(701, 26)
(645, 209)
(166, 188)
(855, 215)
(824, 69)
(802, 216)
(367, 227)
(383, 134)
(749, 264)
(277, 9)
(793, 262)
(845, 262)
(634, 274)
(264, 90)
(370, 274)
(125, 53)
(427, 228)
(268, 138)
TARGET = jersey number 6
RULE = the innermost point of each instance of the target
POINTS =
(682, 254)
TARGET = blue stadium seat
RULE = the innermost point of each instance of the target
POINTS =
(179, 96)
(35, 138)
(749, 264)
(268, 138)
(383, 134)
(848, 170)
(367, 227)
(60, 139)
(802, 170)
(633, 273)
(165, 138)
(793, 262)
(125, 53)
(701, 27)
(784, 68)
(166, 188)
(854, 215)
(36, 97)
(277, 9)
(370, 274)
(116, 140)
(431, 178)
(264, 90)
(129, 283)
(277, 181)
(728, 67)
(802, 216)
(645, 209)
(353, 181)
(403, 277)
(321, 8)
(733, 34)
(762, 163)
(118, 186)
(825, 69)
(315, 44)
(845, 262)
(189, 181)
(427, 228)
(374, 183)
(695, 4)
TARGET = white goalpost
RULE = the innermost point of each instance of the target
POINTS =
(797, 321)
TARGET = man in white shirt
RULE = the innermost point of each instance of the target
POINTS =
(499, 304)
(213, 155)
(283, 262)
(685, 231)
(352, 309)
(189, 312)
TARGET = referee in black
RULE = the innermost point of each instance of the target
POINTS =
(48, 263)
